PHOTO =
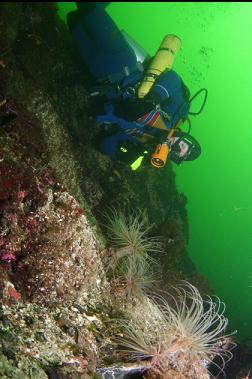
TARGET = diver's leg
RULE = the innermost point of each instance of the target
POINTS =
(103, 30)
(85, 8)
(73, 19)
(113, 51)
(85, 46)
(101, 43)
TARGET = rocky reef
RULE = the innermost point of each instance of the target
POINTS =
(58, 298)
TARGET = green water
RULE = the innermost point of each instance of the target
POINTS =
(216, 54)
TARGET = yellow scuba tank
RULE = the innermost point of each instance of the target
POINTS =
(163, 60)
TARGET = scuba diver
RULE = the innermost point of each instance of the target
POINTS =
(142, 98)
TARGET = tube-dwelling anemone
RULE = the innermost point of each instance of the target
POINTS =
(130, 235)
(186, 335)
(136, 277)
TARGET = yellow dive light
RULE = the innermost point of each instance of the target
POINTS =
(160, 155)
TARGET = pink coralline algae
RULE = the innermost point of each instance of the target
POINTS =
(8, 256)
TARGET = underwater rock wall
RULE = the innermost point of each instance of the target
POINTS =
(42, 73)
(56, 297)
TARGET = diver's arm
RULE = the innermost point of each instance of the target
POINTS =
(162, 61)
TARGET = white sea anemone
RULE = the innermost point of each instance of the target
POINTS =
(136, 277)
(130, 235)
(185, 335)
